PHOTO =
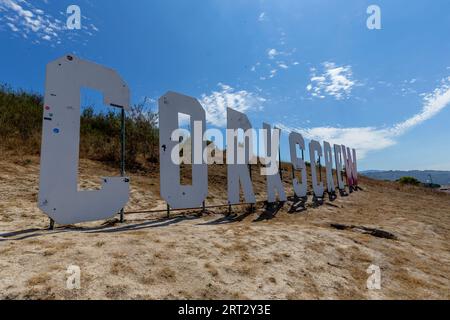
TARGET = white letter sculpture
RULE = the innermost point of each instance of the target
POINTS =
(59, 197)
(274, 182)
(329, 167)
(354, 168)
(338, 160)
(238, 172)
(350, 167)
(314, 146)
(295, 139)
(176, 195)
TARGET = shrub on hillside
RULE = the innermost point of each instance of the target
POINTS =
(21, 125)
(409, 180)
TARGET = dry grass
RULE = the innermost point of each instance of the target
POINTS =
(291, 256)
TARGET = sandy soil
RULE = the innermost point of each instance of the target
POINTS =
(257, 255)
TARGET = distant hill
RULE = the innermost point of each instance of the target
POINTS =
(439, 177)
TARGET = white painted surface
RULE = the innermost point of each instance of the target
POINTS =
(274, 184)
(315, 147)
(59, 197)
(338, 161)
(300, 188)
(328, 155)
(350, 166)
(176, 195)
(355, 167)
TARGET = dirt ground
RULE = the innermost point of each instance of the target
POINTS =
(321, 253)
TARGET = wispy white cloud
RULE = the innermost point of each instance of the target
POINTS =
(334, 81)
(36, 24)
(262, 17)
(217, 102)
(272, 53)
(26, 20)
(367, 139)
(12, 27)
(277, 60)
(434, 103)
(256, 66)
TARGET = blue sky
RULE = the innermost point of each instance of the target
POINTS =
(311, 66)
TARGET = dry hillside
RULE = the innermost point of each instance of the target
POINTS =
(322, 252)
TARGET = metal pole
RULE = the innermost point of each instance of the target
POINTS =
(168, 211)
(122, 153)
(279, 161)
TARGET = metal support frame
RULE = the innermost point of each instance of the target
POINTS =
(52, 224)
(122, 153)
